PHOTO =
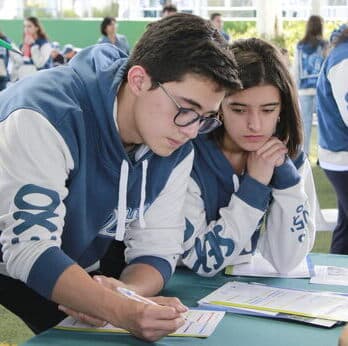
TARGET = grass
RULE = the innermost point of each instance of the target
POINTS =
(13, 331)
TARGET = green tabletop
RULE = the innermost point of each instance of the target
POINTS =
(234, 330)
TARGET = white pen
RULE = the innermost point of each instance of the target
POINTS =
(134, 296)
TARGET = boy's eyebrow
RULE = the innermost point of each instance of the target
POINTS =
(191, 102)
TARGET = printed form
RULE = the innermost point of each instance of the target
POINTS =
(326, 305)
(199, 323)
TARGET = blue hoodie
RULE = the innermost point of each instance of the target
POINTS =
(333, 109)
(310, 60)
(78, 101)
(224, 213)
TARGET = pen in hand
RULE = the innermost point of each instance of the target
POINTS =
(134, 296)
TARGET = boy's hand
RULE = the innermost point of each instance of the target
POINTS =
(149, 322)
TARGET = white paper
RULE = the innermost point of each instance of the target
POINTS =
(260, 267)
(270, 314)
(199, 323)
(330, 275)
(266, 298)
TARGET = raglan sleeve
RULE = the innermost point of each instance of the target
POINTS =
(211, 246)
(160, 243)
(34, 165)
(338, 80)
(289, 231)
(41, 55)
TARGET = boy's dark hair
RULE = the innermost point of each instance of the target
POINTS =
(261, 63)
(214, 15)
(184, 43)
(106, 21)
(169, 8)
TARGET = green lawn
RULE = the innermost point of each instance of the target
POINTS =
(13, 331)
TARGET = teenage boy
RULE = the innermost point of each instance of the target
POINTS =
(98, 150)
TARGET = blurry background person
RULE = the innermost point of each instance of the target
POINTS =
(4, 59)
(310, 53)
(108, 29)
(217, 21)
(35, 47)
(68, 52)
(56, 56)
(332, 91)
(169, 10)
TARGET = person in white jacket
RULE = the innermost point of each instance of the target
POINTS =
(36, 50)
(251, 186)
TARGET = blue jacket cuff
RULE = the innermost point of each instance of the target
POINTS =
(285, 176)
(159, 263)
(47, 269)
(254, 193)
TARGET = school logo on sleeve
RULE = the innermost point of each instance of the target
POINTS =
(36, 206)
(109, 227)
(299, 222)
(219, 248)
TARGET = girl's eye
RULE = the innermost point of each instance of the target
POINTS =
(268, 110)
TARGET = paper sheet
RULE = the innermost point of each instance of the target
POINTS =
(323, 305)
(199, 323)
(260, 267)
(330, 275)
(278, 315)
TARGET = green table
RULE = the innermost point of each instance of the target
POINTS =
(234, 330)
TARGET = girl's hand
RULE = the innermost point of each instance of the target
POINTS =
(261, 163)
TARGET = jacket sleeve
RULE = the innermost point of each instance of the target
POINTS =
(40, 55)
(289, 231)
(34, 165)
(338, 80)
(160, 243)
(210, 247)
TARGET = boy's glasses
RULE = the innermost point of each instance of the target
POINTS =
(188, 116)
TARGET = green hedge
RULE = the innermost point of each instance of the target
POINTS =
(80, 33)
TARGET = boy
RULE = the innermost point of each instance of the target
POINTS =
(98, 150)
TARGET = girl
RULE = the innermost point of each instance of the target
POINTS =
(251, 186)
(36, 49)
(310, 54)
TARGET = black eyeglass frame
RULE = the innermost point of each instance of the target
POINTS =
(213, 121)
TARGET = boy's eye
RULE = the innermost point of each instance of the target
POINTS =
(238, 110)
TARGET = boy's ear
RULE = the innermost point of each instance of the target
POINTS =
(138, 80)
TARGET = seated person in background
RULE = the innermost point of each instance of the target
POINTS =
(169, 10)
(100, 151)
(251, 186)
(56, 56)
(68, 52)
(108, 29)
